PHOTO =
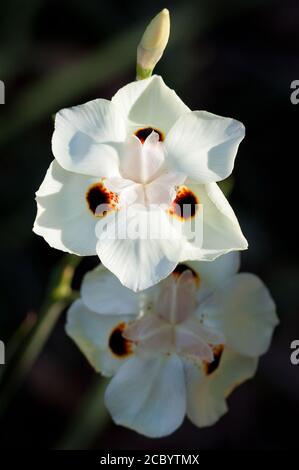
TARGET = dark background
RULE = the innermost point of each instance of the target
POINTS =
(233, 58)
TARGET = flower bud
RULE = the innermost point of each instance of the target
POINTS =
(152, 44)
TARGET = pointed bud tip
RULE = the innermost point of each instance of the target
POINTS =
(165, 11)
(154, 41)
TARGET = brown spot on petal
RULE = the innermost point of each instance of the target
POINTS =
(142, 134)
(180, 268)
(185, 205)
(210, 367)
(100, 200)
(120, 346)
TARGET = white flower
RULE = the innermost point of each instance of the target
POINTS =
(178, 348)
(144, 147)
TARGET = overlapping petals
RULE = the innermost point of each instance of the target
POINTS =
(247, 316)
(63, 218)
(92, 331)
(150, 103)
(143, 147)
(207, 393)
(189, 342)
(85, 138)
(204, 146)
(175, 326)
(124, 247)
(220, 230)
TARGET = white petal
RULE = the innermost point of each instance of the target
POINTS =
(245, 312)
(141, 162)
(151, 333)
(206, 394)
(128, 191)
(203, 145)
(150, 103)
(162, 189)
(118, 184)
(148, 395)
(195, 328)
(63, 217)
(195, 339)
(91, 333)
(148, 252)
(221, 232)
(85, 136)
(176, 300)
(213, 274)
(103, 293)
(188, 344)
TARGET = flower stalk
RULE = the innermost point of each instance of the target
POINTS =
(59, 296)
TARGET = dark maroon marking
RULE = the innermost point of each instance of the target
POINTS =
(142, 134)
(119, 345)
(185, 203)
(210, 367)
(97, 195)
(180, 268)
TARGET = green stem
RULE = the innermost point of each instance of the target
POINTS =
(18, 339)
(142, 73)
(59, 296)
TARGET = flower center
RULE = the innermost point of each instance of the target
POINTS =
(174, 326)
(144, 178)
(143, 134)
(100, 200)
